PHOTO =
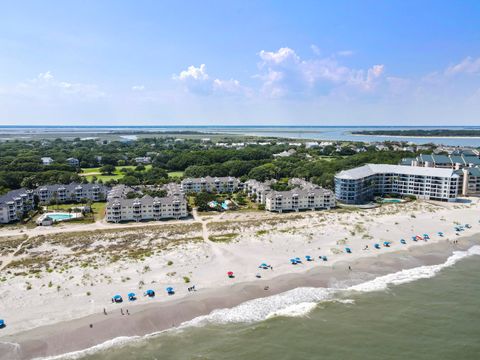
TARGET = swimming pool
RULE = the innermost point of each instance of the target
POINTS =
(391, 201)
(60, 216)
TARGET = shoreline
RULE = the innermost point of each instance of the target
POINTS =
(420, 137)
(156, 317)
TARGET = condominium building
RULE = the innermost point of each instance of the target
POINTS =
(15, 204)
(258, 190)
(304, 195)
(146, 208)
(362, 184)
(467, 164)
(211, 184)
(71, 193)
(300, 199)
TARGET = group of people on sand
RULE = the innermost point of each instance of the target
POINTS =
(191, 288)
(121, 311)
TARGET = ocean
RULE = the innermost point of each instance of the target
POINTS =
(428, 312)
(327, 133)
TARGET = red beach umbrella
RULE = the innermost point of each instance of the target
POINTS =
(230, 274)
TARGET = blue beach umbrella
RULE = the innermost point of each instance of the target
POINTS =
(263, 266)
(348, 250)
(150, 293)
(440, 233)
(324, 258)
(117, 298)
(132, 296)
(377, 246)
(403, 241)
(386, 243)
(170, 290)
(308, 258)
(2, 323)
(414, 238)
(293, 261)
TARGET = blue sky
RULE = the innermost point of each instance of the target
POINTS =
(240, 62)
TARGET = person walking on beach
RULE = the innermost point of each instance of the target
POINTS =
(104, 311)
(349, 268)
(121, 311)
(128, 312)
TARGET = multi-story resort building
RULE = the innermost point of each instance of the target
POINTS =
(466, 164)
(303, 196)
(15, 204)
(258, 190)
(146, 207)
(362, 184)
(71, 193)
(210, 184)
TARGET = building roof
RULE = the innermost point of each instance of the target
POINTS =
(372, 169)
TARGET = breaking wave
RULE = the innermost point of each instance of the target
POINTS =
(293, 303)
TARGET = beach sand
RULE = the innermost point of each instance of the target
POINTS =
(47, 321)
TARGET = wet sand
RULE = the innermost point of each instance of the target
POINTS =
(146, 319)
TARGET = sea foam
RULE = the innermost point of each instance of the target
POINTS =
(293, 303)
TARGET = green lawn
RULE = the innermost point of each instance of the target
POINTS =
(175, 174)
(89, 173)
(98, 208)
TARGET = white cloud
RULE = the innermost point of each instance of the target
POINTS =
(281, 56)
(468, 65)
(284, 72)
(192, 72)
(46, 86)
(197, 80)
(138, 87)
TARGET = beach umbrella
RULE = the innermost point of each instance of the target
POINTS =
(425, 236)
(348, 250)
(414, 238)
(293, 261)
(170, 290)
(377, 246)
(117, 298)
(324, 258)
(2, 323)
(263, 266)
(386, 243)
(403, 241)
(440, 233)
(230, 274)
(150, 293)
(132, 296)
(298, 260)
(308, 257)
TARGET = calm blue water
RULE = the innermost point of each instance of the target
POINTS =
(300, 132)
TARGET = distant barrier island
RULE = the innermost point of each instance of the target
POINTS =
(422, 132)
